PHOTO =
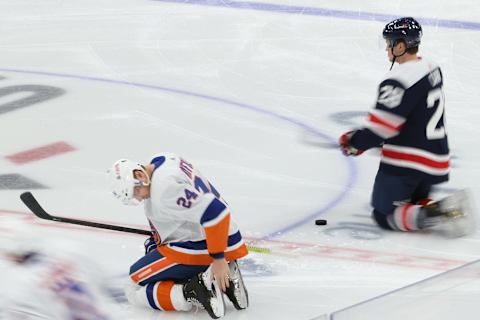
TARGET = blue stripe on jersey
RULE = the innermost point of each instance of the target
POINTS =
(202, 245)
(213, 210)
(158, 161)
(150, 298)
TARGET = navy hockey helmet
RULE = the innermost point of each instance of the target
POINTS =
(406, 29)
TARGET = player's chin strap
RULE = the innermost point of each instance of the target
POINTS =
(147, 183)
(393, 54)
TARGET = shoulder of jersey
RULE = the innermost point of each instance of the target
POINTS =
(169, 166)
(409, 73)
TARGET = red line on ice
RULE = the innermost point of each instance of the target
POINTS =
(40, 153)
(286, 248)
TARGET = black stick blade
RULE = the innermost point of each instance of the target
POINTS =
(29, 200)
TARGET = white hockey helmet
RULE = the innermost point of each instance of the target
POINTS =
(122, 180)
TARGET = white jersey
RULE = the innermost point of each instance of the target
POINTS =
(192, 220)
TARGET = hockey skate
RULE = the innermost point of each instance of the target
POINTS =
(453, 215)
(236, 292)
(205, 293)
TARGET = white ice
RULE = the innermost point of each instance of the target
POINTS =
(233, 90)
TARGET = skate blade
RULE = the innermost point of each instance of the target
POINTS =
(464, 224)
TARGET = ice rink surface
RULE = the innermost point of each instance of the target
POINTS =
(251, 92)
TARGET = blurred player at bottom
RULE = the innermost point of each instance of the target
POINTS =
(47, 278)
(191, 257)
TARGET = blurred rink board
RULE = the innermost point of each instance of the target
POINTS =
(454, 294)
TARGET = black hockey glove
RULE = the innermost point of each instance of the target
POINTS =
(149, 245)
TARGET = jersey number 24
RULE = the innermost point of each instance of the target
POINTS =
(201, 187)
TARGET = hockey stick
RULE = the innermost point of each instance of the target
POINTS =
(29, 200)
(309, 137)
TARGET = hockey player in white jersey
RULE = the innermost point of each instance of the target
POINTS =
(191, 257)
(44, 278)
(408, 124)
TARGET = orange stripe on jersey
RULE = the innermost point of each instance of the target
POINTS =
(200, 259)
(238, 253)
(185, 258)
(163, 295)
(217, 235)
(151, 269)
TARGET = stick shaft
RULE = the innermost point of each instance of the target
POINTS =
(29, 200)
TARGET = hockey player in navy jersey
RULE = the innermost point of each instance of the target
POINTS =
(408, 124)
(191, 257)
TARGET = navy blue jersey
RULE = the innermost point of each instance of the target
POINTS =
(408, 123)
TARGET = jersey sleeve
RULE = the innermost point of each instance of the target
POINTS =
(385, 121)
(188, 204)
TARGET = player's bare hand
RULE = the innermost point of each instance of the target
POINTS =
(221, 273)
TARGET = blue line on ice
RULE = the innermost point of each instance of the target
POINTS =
(324, 12)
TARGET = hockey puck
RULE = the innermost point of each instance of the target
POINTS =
(320, 222)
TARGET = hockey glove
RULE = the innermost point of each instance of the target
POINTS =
(346, 147)
(150, 245)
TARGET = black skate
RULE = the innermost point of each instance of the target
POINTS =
(453, 215)
(236, 292)
(202, 292)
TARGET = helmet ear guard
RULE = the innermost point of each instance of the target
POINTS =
(391, 43)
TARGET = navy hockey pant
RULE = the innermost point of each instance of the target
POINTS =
(390, 190)
(154, 267)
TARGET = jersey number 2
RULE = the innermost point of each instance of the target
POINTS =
(434, 96)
